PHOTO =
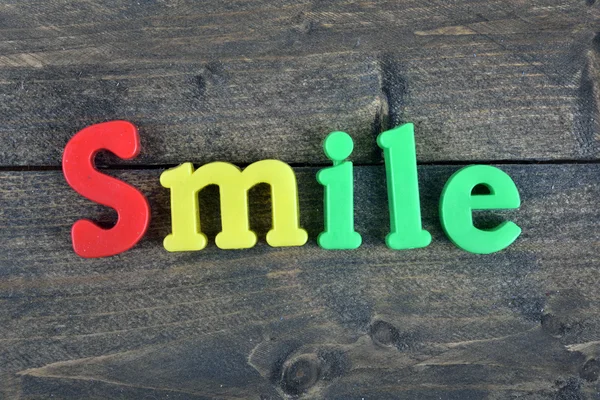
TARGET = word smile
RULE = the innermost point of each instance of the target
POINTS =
(121, 138)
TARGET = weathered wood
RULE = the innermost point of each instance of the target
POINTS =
(483, 80)
(248, 80)
(242, 110)
(266, 323)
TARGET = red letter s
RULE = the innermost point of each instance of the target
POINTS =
(89, 240)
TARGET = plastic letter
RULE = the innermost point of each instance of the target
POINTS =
(233, 185)
(399, 152)
(457, 203)
(338, 181)
(89, 240)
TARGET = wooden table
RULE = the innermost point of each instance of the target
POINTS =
(509, 83)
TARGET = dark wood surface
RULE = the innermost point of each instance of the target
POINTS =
(482, 80)
(380, 323)
(511, 83)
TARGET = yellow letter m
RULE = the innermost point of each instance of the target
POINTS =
(185, 183)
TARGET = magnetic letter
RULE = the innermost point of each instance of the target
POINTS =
(185, 183)
(339, 195)
(89, 240)
(457, 203)
(399, 152)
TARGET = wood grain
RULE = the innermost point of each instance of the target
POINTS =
(303, 322)
(242, 110)
(238, 80)
(483, 80)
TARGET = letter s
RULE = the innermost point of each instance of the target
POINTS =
(89, 240)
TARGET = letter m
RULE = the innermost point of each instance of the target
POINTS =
(185, 183)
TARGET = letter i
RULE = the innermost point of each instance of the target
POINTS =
(400, 156)
(339, 195)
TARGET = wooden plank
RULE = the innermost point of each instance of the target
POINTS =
(238, 110)
(483, 80)
(267, 323)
